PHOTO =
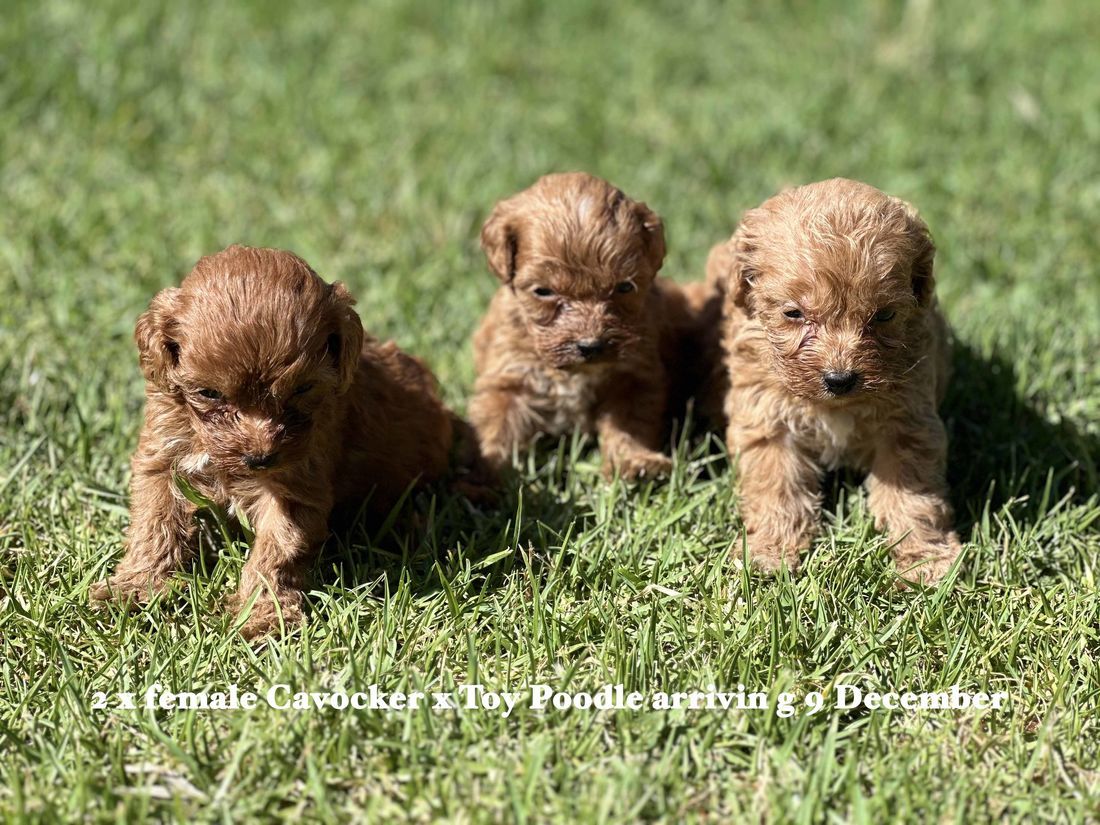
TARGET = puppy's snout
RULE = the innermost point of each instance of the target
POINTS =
(840, 382)
(590, 348)
(260, 461)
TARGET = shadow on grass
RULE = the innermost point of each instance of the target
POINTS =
(438, 532)
(1002, 449)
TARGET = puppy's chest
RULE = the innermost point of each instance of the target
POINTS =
(194, 469)
(838, 438)
(563, 401)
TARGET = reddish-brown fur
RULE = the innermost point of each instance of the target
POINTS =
(341, 416)
(858, 266)
(593, 254)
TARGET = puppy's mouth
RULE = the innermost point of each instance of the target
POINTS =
(587, 364)
(841, 399)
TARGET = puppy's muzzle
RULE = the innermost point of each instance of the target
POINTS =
(840, 382)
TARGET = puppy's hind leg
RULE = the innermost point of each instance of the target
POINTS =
(780, 499)
(907, 495)
(159, 542)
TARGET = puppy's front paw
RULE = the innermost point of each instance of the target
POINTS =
(768, 556)
(637, 465)
(923, 562)
(268, 616)
(135, 587)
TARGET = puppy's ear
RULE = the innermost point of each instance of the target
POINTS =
(158, 351)
(500, 241)
(653, 234)
(924, 254)
(345, 343)
(741, 273)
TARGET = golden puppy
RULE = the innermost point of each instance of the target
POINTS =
(837, 355)
(582, 334)
(264, 394)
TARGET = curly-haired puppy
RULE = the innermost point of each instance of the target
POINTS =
(264, 394)
(582, 334)
(837, 355)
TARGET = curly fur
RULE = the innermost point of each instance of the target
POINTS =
(854, 267)
(264, 393)
(578, 262)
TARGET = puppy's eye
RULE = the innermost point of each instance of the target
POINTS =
(884, 315)
(623, 287)
(302, 390)
(213, 395)
(543, 291)
(794, 314)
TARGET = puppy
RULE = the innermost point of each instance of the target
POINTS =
(582, 334)
(837, 355)
(264, 394)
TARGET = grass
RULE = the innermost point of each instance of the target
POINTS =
(373, 139)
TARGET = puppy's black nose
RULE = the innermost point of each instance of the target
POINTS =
(260, 462)
(840, 383)
(591, 347)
